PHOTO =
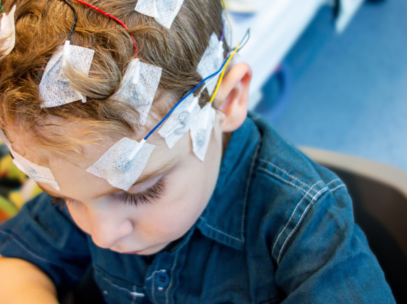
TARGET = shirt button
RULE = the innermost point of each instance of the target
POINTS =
(162, 279)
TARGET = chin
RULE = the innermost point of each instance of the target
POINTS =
(147, 251)
(152, 250)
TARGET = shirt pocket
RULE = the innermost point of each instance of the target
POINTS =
(116, 290)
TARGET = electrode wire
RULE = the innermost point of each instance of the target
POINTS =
(191, 92)
(75, 18)
(112, 17)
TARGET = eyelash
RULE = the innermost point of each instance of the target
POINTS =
(145, 197)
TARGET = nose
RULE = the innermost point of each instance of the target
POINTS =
(107, 227)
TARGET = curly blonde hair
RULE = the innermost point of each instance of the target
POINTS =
(43, 25)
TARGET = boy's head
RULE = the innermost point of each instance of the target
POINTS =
(175, 185)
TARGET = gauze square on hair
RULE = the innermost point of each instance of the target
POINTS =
(116, 167)
(201, 130)
(8, 31)
(163, 11)
(55, 89)
(211, 61)
(138, 88)
(180, 121)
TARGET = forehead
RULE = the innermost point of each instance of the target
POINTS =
(71, 173)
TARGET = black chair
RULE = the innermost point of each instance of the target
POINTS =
(379, 194)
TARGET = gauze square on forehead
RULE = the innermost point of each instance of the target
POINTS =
(163, 11)
(8, 30)
(116, 167)
(55, 89)
(211, 61)
(201, 130)
(36, 172)
(138, 88)
(180, 121)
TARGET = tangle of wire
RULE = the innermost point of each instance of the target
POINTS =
(222, 70)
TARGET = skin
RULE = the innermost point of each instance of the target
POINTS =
(189, 183)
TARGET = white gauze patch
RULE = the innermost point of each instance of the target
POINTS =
(35, 172)
(201, 130)
(211, 61)
(180, 121)
(55, 89)
(123, 163)
(8, 31)
(163, 11)
(139, 86)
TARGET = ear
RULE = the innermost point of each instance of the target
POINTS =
(233, 96)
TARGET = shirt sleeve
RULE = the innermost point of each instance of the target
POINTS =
(327, 258)
(47, 237)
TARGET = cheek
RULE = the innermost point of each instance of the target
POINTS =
(188, 190)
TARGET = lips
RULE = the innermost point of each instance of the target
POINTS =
(133, 252)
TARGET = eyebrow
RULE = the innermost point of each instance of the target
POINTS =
(114, 190)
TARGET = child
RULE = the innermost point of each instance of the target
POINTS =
(206, 207)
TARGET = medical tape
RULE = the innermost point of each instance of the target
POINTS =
(55, 88)
(163, 11)
(37, 173)
(123, 163)
(180, 121)
(8, 32)
(138, 88)
(211, 61)
(201, 130)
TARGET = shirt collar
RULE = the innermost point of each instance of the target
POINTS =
(224, 217)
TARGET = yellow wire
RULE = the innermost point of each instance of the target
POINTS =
(223, 73)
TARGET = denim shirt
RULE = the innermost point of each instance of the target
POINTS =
(278, 229)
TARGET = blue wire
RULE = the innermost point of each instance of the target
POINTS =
(193, 90)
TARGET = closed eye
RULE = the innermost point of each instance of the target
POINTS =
(152, 194)
(147, 196)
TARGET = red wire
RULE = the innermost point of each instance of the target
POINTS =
(113, 17)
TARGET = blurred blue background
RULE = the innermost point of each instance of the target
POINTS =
(346, 93)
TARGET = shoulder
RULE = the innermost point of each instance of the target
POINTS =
(280, 165)
(286, 185)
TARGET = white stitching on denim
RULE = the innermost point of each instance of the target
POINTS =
(293, 177)
(136, 294)
(152, 285)
(247, 189)
(335, 180)
(149, 278)
(334, 189)
(316, 196)
(134, 298)
(36, 256)
(172, 275)
(213, 228)
(284, 180)
(121, 288)
(292, 214)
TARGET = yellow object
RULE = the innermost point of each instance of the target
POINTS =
(17, 198)
(223, 73)
(9, 169)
